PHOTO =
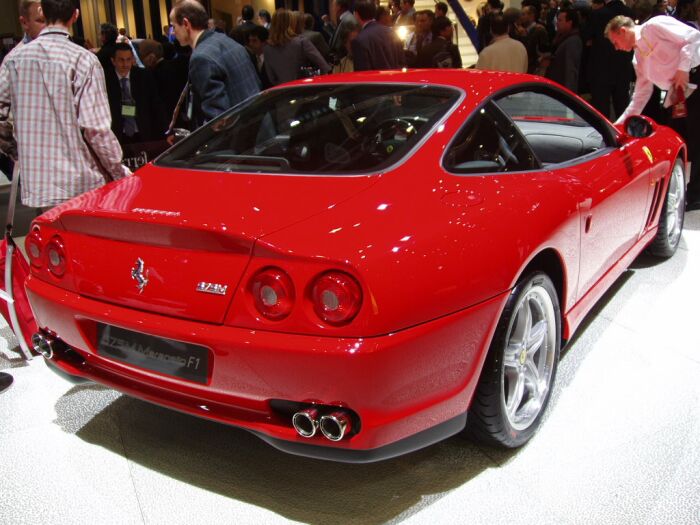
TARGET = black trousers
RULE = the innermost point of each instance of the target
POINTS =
(603, 93)
(689, 129)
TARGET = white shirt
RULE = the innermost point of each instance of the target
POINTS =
(503, 54)
(663, 46)
(56, 91)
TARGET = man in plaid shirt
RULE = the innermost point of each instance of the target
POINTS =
(61, 131)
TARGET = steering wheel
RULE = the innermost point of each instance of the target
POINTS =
(388, 135)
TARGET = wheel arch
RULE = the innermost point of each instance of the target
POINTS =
(549, 261)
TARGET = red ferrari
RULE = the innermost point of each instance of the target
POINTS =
(354, 267)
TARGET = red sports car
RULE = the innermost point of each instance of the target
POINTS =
(353, 267)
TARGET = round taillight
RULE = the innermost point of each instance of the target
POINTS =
(34, 246)
(273, 293)
(56, 257)
(336, 297)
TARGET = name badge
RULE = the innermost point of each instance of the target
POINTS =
(128, 111)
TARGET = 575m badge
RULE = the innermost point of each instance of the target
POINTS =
(213, 288)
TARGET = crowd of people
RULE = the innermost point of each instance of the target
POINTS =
(146, 78)
(198, 68)
(565, 40)
(577, 44)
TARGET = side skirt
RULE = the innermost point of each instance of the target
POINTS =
(573, 318)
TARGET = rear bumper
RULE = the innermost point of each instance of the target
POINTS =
(409, 389)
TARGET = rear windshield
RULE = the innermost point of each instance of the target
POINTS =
(327, 129)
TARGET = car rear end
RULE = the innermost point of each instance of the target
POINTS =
(162, 286)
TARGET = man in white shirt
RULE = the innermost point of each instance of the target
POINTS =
(503, 53)
(666, 54)
(61, 130)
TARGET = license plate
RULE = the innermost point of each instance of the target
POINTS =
(174, 358)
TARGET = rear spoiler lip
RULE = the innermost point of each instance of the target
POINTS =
(154, 231)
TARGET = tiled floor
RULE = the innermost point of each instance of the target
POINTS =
(621, 443)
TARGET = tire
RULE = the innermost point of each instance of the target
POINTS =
(520, 368)
(668, 237)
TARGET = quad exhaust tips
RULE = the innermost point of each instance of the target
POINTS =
(333, 426)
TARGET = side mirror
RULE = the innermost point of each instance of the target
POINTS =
(639, 126)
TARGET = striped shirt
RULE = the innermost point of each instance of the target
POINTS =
(56, 93)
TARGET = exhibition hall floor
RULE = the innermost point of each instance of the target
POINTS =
(620, 443)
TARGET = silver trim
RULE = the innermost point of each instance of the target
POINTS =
(43, 345)
(335, 425)
(138, 275)
(528, 360)
(212, 288)
(675, 205)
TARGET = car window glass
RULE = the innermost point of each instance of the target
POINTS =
(555, 131)
(319, 129)
(489, 143)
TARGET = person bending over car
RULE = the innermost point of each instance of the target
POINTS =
(666, 54)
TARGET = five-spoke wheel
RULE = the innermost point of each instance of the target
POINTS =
(517, 377)
(668, 236)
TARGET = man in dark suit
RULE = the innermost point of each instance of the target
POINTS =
(566, 60)
(257, 40)
(240, 32)
(345, 24)
(610, 72)
(440, 52)
(170, 74)
(108, 39)
(377, 46)
(221, 73)
(535, 37)
(315, 37)
(134, 102)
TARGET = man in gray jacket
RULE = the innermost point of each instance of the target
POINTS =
(220, 72)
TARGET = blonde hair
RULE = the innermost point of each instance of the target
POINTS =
(280, 28)
(617, 23)
(24, 6)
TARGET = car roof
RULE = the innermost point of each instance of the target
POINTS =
(473, 81)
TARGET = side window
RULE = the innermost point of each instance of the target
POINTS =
(489, 143)
(556, 132)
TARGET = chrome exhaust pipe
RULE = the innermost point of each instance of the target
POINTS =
(43, 345)
(335, 425)
(306, 422)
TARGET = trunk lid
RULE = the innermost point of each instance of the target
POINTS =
(177, 242)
